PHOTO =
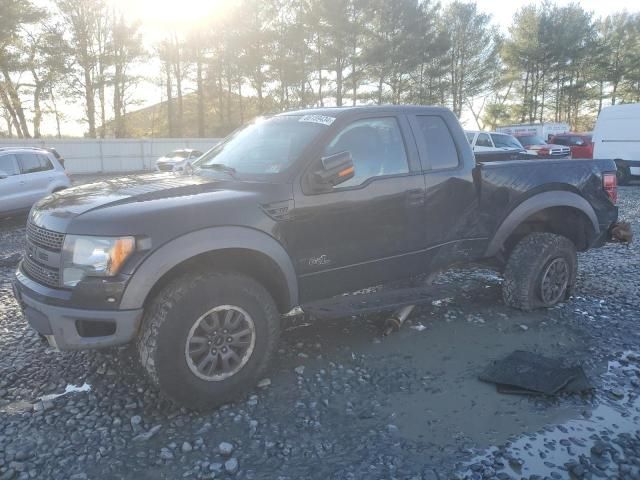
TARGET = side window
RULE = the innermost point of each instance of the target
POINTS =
(376, 147)
(45, 163)
(29, 162)
(438, 142)
(483, 140)
(9, 165)
(559, 141)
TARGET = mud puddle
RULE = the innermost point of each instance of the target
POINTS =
(558, 449)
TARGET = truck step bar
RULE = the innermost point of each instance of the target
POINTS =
(378, 301)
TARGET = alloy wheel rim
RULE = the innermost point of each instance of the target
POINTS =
(220, 343)
(555, 279)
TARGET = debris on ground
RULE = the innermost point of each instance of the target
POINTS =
(527, 373)
(621, 232)
(10, 260)
(395, 321)
(69, 389)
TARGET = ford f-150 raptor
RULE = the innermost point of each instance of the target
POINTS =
(299, 207)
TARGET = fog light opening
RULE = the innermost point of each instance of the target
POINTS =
(92, 328)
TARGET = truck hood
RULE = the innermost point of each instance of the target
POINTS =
(56, 211)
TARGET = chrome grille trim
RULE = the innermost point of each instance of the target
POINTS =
(40, 273)
(45, 238)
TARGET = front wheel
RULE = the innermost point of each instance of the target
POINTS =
(541, 271)
(207, 338)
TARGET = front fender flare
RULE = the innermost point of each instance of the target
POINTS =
(202, 241)
(536, 204)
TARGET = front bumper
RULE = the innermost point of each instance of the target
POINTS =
(69, 328)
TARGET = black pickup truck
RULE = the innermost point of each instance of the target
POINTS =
(198, 269)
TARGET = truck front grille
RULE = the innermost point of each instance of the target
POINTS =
(40, 273)
(42, 256)
(45, 238)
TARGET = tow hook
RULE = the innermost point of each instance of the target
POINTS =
(621, 232)
(395, 321)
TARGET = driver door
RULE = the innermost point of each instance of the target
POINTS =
(369, 229)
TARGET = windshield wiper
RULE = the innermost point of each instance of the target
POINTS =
(220, 167)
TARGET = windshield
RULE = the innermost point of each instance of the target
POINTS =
(505, 141)
(263, 147)
(177, 154)
(531, 140)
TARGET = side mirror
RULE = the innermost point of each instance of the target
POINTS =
(335, 169)
(3, 174)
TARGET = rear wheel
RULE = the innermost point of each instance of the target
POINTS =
(541, 271)
(208, 338)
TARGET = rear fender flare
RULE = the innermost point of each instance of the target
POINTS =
(536, 204)
(188, 246)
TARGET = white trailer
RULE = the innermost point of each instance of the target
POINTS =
(542, 130)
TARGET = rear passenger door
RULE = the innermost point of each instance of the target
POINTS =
(369, 229)
(453, 232)
(36, 173)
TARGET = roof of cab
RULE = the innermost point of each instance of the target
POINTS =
(341, 111)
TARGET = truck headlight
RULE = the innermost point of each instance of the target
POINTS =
(85, 256)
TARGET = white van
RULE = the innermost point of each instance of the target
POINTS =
(617, 136)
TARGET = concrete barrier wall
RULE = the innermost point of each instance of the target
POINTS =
(113, 155)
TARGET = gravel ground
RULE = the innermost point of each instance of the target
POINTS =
(341, 401)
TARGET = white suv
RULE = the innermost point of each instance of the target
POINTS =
(27, 175)
(492, 141)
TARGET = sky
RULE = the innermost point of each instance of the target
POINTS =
(160, 16)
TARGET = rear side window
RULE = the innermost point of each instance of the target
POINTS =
(29, 162)
(9, 165)
(34, 162)
(438, 143)
(45, 163)
(483, 141)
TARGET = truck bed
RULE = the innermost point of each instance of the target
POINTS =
(502, 185)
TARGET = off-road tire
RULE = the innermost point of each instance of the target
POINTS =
(526, 265)
(169, 318)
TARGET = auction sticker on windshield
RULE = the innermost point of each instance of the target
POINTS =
(324, 120)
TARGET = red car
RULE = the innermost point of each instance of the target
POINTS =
(581, 144)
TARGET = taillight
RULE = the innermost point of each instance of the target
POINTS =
(610, 183)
